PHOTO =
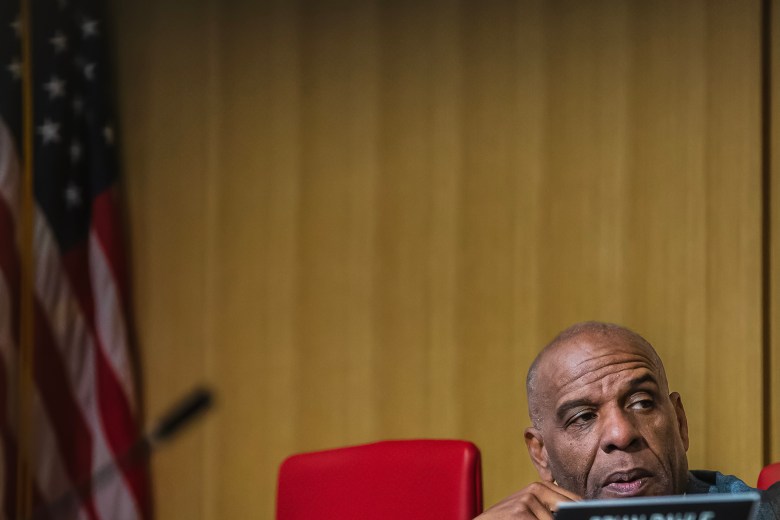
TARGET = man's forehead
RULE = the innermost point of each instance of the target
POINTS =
(588, 357)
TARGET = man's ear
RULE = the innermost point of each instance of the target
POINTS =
(682, 420)
(538, 452)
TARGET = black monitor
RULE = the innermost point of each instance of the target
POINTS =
(739, 506)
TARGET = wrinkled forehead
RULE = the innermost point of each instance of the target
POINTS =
(587, 358)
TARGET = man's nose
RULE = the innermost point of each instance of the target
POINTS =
(619, 431)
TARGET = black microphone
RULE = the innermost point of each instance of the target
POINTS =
(195, 403)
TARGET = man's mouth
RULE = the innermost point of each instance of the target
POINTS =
(626, 483)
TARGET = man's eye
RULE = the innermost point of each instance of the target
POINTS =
(582, 418)
(643, 404)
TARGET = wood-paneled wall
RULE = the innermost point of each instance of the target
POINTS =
(361, 220)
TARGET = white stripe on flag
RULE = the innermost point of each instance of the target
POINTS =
(76, 347)
(52, 478)
(109, 318)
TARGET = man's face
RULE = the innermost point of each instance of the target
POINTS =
(608, 426)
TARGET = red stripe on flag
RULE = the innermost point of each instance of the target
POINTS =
(105, 223)
(9, 263)
(10, 482)
(114, 404)
(9, 267)
(61, 406)
(119, 423)
(9, 446)
(116, 416)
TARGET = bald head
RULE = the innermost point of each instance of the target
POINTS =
(570, 344)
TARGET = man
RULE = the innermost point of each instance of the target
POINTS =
(604, 425)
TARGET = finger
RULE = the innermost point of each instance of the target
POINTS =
(540, 510)
(551, 495)
(573, 497)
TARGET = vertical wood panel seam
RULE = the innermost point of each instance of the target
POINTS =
(766, 228)
(211, 201)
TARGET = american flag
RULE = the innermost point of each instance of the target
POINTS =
(83, 404)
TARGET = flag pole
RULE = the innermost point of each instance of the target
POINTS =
(26, 230)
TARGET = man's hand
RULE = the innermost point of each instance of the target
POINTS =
(536, 501)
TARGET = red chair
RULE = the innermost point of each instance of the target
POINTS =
(389, 480)
(768, 476)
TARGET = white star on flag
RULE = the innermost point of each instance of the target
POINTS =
(15, 67)
(89, 71)
(73, 195)
(55, 87)
(75, 151)
(108, 134)
(89, 28)
(17, 26)
(49, 131)
(59, 41)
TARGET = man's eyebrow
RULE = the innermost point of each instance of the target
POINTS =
(639, 381)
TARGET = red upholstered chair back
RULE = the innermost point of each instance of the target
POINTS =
(389, 480)
(769, 475)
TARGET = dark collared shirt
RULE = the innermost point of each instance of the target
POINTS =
(700, 482)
